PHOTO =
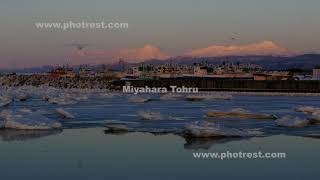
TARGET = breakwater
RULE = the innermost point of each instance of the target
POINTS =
(58, 82)
(209, 84)
(203, 84)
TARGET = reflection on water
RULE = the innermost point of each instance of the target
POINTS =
(83, 154)
(24, 135)
(317, 136)
(207, 143)
(191, 143)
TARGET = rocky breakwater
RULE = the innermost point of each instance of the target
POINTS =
(98, 82)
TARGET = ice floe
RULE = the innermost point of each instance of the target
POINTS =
(208, 96)
(108, 95)
(315, 117)
(64, 113)
(219, 97)
(156, 116)
(196, 98)
(176, 118)
(306, 109)
(61, 101)
(171, 97)
(5, 101)
(137, 99)
(81, 97)
(25, 119)
(148, 115)
(292, 122)
(22, 97)
(239, 113)
(239, 110)
(206, 130)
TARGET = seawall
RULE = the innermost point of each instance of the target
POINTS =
(209, 84)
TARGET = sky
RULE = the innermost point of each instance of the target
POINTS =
(156, 29)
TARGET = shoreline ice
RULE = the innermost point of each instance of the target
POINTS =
(25, 119)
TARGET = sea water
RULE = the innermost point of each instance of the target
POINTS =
(82, 149)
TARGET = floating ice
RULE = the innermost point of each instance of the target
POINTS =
(315, 117)
(61, 101)
(22, 96)
(209, 96)
(5, 101)
(28, 120)
(139, 99)
(156, 116)
(206, 130)
(106, 95)
(176, 118)
(43, 112)
(307, 109)
(196, 97)
(239, 110)
(292, 122)
(171, 97)
(219, 97)
(64, 97)
(239, 113)
(81, 98)
(153, 116)
(64, 113)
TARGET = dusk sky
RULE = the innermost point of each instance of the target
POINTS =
(167, 27)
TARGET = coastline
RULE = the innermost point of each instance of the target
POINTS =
(203, 85)
(36, 80)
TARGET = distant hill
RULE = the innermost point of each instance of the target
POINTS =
(306, 61)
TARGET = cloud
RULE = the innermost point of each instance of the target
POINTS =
(262, 48)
